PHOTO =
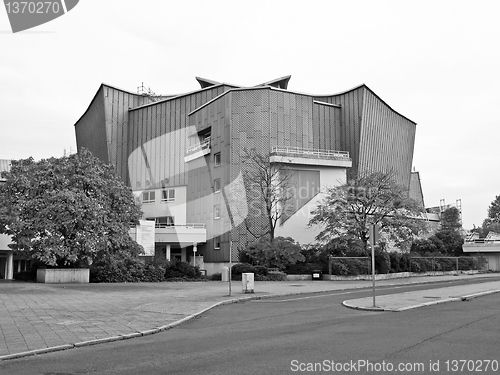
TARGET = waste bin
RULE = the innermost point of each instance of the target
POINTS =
(316, 275)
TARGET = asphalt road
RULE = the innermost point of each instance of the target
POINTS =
(305, 332)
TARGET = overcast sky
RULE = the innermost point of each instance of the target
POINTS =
(435, 62)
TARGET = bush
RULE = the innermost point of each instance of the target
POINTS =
(306, 268)
(239, 268)
(216, 277)
(280, 254)
(271, 276)
(350, 266)
(182, 270)
(29, 275)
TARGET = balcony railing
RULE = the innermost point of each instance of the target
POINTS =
(188, 225)
(203, 145)
(310, 153)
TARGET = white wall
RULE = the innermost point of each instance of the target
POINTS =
(177, 209)
(296, 225)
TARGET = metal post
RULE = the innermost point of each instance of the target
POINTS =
(372, 240)
(373, 273)
(230, 260)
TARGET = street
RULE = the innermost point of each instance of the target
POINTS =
(300, 333)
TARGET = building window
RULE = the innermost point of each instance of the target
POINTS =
(148, 197)
(217, 159)
(163, 221)
(217, 185)
(217, 211)
(168, 195)
(217, 243)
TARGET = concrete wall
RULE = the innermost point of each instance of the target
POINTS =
(62, 275)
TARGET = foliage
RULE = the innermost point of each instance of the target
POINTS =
(492, 222)
(65, 211)
(450, 219)
(280, 253)
(350, 266)
(124, 268)
(216, 277)
(177, 269)
(268, 185)
(261, 273)
(371, 198)
(443, 242)
(272, 276)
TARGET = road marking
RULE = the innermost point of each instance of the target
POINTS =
(299, 298)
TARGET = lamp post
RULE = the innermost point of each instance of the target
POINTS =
(195, 249)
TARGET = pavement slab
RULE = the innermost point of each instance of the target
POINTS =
(39, 318)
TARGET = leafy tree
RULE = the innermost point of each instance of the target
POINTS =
(371, 198)
(280, 253)
(492, 222)
(450, 219)
(268, 186)
(67, 211)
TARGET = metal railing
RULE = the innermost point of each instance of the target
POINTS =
(201, 146)
(310, 152)
(188, 225)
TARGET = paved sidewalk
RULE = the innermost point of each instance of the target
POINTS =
(38, 318)
(421, 298)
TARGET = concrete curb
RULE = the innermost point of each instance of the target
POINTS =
(225, 302)
(446, 300)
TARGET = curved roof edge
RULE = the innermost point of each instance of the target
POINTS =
(204, 83)
(363, 85)
(247, 89)
(282, 82)
(181, 95)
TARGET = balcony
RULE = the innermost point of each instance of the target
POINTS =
(481, 246)
(182, 234)
(299, 155)
(198, 150)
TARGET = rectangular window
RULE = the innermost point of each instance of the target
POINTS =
(217, 185)
(217, 242)
(217, 211)
(217, 159)
(148, 197)
(164, 221)
(168, 195)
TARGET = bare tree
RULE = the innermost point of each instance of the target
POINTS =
(269, 189)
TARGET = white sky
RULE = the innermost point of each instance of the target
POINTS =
(436, 62)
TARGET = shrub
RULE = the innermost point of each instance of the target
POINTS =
(216, 277)
(271, 276)
(183, 270)
(350, 266)
(306, 268)
(29, 275)
(280, 253)
(239, 268)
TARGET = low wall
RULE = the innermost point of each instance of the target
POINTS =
(62, 275)
(299, 277)
(397, 275)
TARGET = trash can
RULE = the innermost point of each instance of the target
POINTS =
(316, 275)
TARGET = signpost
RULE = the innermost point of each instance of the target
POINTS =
(374, 237)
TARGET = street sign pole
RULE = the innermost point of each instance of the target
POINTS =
(373, 239)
